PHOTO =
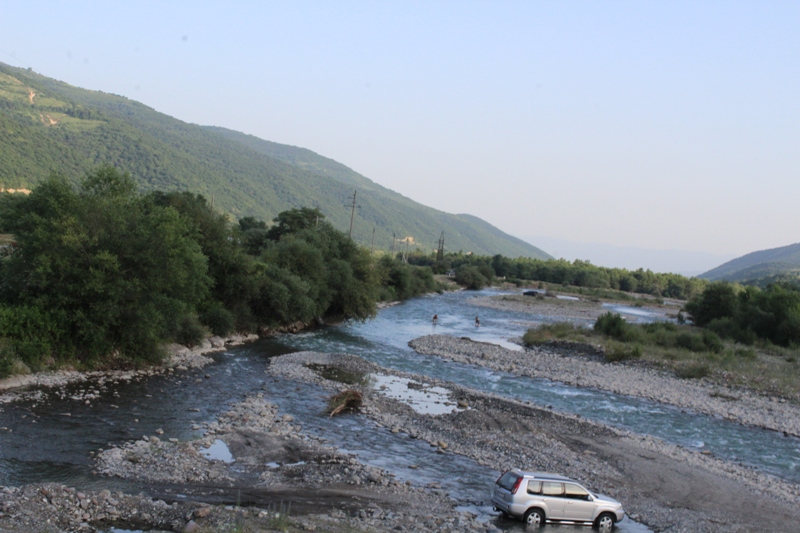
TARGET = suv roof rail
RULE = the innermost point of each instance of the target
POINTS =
(547, 475)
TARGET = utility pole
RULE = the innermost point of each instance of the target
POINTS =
(394, 239)
(353, 213)
(372, 246)
(405, 257)
(440, 250)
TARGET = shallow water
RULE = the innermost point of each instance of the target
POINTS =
(218, 451)
(638, 313)
(420, 396)
(384, 341)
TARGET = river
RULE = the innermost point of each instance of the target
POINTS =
(51, 438)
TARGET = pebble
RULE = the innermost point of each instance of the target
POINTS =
(541, 362)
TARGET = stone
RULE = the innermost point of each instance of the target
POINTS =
(191, 526)
(217, 342)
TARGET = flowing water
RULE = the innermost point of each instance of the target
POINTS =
(50, 439)
(384, 341)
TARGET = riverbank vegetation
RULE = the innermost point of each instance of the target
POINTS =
(690, 352)
(749, 314)
(102, 276)
(475, 272)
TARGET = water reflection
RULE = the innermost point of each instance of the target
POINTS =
(218, 451)
(422, 397)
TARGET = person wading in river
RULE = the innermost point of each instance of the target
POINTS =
(477, 322)
(435, 319)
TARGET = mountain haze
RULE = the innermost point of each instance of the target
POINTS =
(49, 126)
(771, 265)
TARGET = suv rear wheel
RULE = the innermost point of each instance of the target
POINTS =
(534, 517)
(604, 522)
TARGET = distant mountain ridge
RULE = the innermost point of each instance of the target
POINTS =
(49, 126)
(774, 264)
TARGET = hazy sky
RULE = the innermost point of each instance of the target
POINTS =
(662, 125)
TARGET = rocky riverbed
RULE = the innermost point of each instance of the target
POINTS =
(572, 366)
(270, 460)
(579, 308)
(178, 358)
(280, 478)
(664, 486)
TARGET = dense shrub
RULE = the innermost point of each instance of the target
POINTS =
(614, 326)
(617, 351)
(718, 300)
(693, 371)
(401, 280)
(471, 277)
(689, 341)
(188, 330)
(100, 272)
(547, 332)
(32, 336)
(219, 320)
(582, 274)
(747, 314)
(111, 268)
(712, 342)
(7, 358)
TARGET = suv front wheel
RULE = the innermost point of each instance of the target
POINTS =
(534, 517)
(604, 522)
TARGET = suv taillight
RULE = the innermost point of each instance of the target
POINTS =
(516, 486)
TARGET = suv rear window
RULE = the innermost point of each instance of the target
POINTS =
(508, 480)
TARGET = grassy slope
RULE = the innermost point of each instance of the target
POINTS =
(756, 265)
(389, 205)
(244, 175)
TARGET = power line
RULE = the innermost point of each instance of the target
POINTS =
(353, 212)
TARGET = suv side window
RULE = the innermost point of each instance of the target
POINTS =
(534, 487)
(575, 492)
(551, 488)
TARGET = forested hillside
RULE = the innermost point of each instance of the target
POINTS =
(47, 126)
(760, 268)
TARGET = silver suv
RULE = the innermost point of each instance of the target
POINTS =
(537, 497)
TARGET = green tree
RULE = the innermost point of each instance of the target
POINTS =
(232, 271)
(114, 268)
(471, 277)
(717, 301)
(294, 221)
